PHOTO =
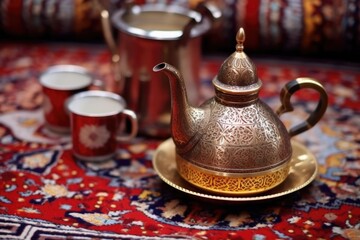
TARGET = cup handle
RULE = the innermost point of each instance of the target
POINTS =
(110, 42)
(289, 89)
(134, 126)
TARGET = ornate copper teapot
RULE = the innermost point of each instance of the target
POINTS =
(234, 143)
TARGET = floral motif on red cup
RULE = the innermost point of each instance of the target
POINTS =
(94, 136)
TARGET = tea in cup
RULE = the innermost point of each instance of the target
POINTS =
(97, 121)
(59, 83)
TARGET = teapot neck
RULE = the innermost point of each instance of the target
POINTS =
(236, 100)
(236, 95)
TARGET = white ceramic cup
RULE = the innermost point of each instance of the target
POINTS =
(97, 120)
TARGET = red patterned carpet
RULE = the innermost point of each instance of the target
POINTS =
(46, 194)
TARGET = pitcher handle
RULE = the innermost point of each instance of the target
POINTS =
(289, 89)
(134, 126)
(209, 10)
(110, 42)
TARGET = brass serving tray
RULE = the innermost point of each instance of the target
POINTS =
(303, 170)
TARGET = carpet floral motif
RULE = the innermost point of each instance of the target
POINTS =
(45, 189)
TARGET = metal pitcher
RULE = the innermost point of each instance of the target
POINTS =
(149, 34)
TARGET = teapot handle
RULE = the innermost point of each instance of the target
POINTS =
(110, 42)
(289, 89)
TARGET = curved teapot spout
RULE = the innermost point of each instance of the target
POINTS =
(185, 119)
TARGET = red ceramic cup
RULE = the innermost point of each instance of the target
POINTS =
(59, 83)
(97, 120)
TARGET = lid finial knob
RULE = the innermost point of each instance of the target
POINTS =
(237, 74)
(240, 39)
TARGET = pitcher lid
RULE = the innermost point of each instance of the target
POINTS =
(158, 21)
(238, 74)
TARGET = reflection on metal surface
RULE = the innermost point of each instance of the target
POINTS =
(148, 34)
(300, 175)
(232, 183)
(303, 157)
(235, 132)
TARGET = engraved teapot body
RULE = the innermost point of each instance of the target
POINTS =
(234, 143)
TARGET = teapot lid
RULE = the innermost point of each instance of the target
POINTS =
(237, 74)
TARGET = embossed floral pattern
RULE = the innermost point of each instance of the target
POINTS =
(93, 136)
